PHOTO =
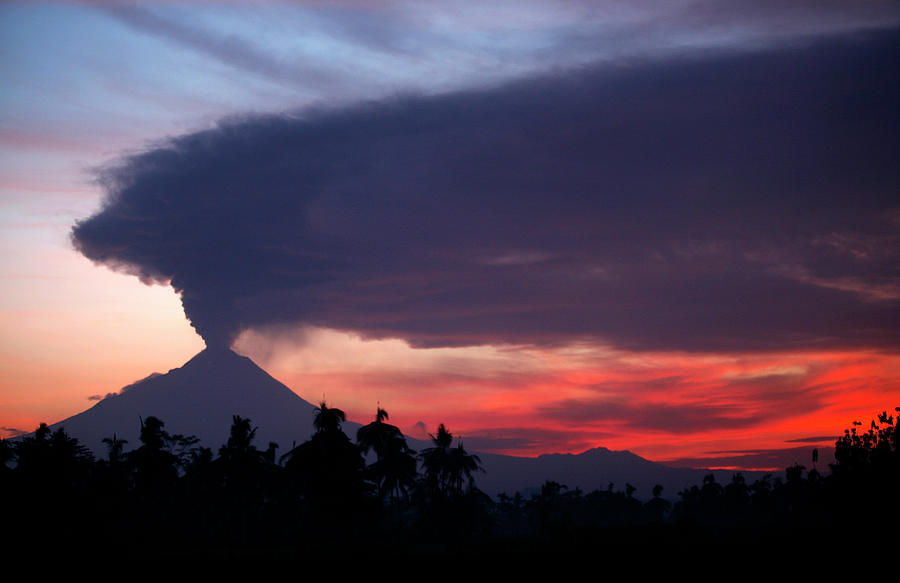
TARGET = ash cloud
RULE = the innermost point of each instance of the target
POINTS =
(710, 203)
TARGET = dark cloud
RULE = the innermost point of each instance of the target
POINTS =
(668, 418)
(10, 432)
(814, 439)
(775, 18)
(106, 396)
(731, 202)
(524, 439)
(771, 459)
(737, 405)
(419, 431)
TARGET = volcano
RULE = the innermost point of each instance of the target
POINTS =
(200, 398)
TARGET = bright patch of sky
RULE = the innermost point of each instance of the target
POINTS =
(149, 68)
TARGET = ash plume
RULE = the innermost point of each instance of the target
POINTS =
(724, 202)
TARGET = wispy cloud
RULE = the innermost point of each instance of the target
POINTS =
(774, 460)
(232, 50)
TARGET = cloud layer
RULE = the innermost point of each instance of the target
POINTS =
(729, 202)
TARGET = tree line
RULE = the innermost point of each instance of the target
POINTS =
(170, 492)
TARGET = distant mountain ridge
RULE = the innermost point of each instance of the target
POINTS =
(594, 469)
(200, 397)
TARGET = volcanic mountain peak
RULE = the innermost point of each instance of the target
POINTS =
(219, 357)
(200, 398)
(224, 364)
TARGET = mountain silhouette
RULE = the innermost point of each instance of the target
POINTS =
(200, 398)
(593, 469)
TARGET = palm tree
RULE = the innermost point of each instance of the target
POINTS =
(446, 468)
(435, 461)
(328, 419)
(328, 468)
(240, 440)
(114, 446)
(241, 468)
(155, 468)
(462, 465)
(377, 435)
(394, 470)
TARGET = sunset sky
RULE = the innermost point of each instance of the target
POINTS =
(671, 227)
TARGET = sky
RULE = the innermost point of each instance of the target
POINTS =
(668, 227)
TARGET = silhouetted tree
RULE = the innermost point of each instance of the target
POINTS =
(52, 480)
(448, 508)
(169, 490)
(114, 472)
(657, 507)
(240, 466)
(865, 477)
(435, 461)
(328, 469)
(328, 420)
(446, 468)
(394, 470)
(241, 479)
(155, 469)
(239, 453)
(461, 469)
(115, 448)
(736, 499)
(7, 455)
(52, 459)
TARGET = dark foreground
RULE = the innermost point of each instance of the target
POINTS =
(169, 500)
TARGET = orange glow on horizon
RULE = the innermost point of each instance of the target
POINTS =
(663, 406)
